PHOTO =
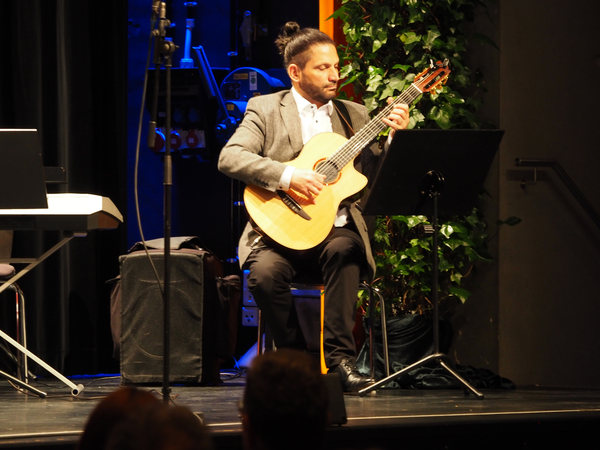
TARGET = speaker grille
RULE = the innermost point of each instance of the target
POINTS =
(142, 317)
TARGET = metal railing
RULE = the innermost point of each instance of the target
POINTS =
(565, 178)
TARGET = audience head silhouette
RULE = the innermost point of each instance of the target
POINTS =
(132, 419)
(285, 403)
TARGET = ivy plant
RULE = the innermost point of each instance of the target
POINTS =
(404, 263)
(388, 42)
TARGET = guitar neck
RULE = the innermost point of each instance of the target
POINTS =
(360, 140)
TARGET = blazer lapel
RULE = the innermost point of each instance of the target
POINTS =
(291, 121)
(336, 123)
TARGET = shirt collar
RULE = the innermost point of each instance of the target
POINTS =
(302, 103)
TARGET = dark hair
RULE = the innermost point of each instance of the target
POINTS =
(160, 427)
(286, 400)
(294, 42)
(111, 411)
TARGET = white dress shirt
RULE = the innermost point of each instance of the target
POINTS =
(313, 121)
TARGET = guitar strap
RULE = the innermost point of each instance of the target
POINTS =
(343, 112)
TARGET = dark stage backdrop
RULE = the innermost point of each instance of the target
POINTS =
(64, 72)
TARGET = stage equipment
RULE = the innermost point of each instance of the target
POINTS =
(73, 214)
(204, 305)
(237, 88)
(187, 62)
(417, 167)
(193, 115)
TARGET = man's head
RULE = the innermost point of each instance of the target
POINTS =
(311, 60)
(285, 402)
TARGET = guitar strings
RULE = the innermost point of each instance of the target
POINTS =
(366, 134)
(333, 165)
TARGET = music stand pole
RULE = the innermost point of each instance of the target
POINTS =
(436, 181)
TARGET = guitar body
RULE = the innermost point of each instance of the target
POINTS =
(281, 223)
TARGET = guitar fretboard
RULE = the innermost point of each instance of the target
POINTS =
(347, 152)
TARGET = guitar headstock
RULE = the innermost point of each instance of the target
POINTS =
(433, 76)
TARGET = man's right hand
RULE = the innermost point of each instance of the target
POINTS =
(307, 182)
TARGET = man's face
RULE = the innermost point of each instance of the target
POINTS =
(317, 81)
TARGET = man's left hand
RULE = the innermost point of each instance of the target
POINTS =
(398, 118)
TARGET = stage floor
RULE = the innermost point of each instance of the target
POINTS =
(532, 417)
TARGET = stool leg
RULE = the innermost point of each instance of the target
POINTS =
(22, 334)
(259, 341)
(322, 352)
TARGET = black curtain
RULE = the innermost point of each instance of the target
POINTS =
(63, 71)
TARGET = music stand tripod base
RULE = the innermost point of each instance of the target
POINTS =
(444, 362)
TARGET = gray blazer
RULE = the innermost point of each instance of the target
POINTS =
(270, 134)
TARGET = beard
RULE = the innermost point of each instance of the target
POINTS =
(321, 94)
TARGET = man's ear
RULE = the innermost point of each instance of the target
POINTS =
(294, 72)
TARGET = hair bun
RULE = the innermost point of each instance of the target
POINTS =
(294, 41)
(290, 28)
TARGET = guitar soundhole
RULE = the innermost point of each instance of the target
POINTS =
(329, 169)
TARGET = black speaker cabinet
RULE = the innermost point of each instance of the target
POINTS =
(142, 318)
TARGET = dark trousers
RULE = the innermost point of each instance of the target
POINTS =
(337, 261)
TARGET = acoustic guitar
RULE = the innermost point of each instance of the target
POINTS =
(290, 218)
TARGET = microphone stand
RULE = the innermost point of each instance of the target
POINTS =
(164, 48)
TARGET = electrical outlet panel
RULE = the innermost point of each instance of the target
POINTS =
(249, 316)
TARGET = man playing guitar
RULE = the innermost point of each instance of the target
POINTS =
(274, 130)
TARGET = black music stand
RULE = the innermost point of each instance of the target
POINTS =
(417, 167)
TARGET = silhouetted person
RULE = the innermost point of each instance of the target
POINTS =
(160, 427)
(111, 411)
(285, 403)
(132, 419)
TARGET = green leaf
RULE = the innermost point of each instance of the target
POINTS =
(419, 267)
(454, 99)
(511, 221)
(410, 39)
(453, 244)
(458, 228)
(346, 70)
(413, 221)
(387, 92)
(416, 119)
(414, 254)
(432, 35)
(480, 254)
(442, 116)
(456, 277)
(403, 67)
(461, 80)
(460, 293)
(423, 243)
(397, 83)
(415, 15)
(370, 103)
(446, 230)
(374, 82)
(444, 265)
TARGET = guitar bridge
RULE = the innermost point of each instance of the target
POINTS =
(292, 204)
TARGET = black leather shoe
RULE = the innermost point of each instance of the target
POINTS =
(351, 378)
